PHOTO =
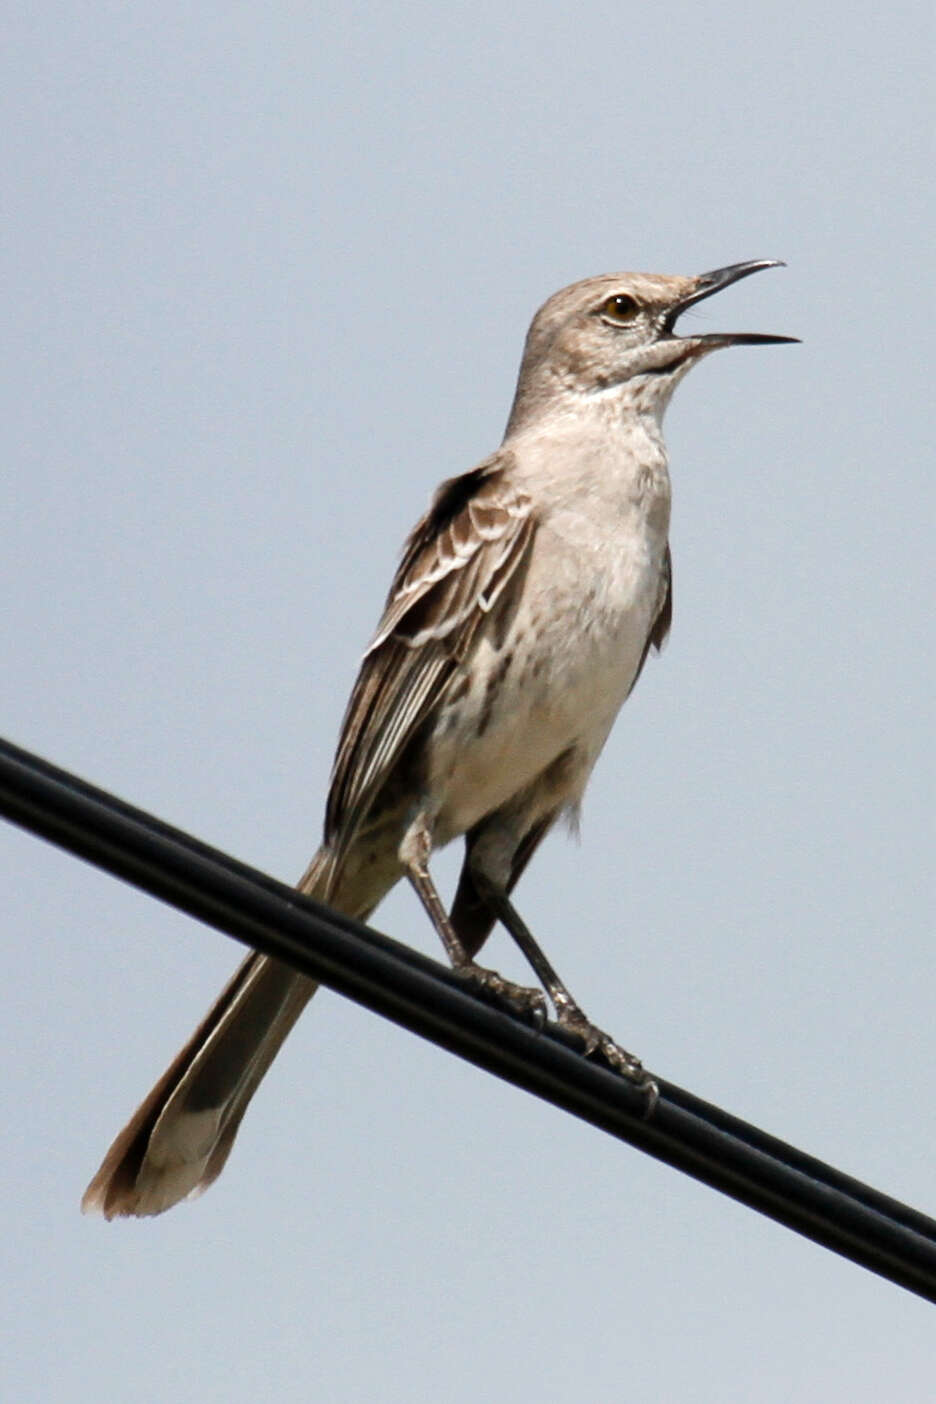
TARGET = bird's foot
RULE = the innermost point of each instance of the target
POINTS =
(595, 1040)
(521, 999)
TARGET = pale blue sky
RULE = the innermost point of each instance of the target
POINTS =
(259, 264)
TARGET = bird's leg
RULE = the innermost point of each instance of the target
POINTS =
(568, 1013)
(414, 855)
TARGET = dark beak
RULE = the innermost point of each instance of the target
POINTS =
(708, 283)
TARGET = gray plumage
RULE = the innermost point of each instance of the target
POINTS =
(520, 617)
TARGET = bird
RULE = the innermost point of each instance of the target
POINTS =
(521, 615)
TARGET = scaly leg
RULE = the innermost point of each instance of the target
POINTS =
(568, 1013)
(414, 855)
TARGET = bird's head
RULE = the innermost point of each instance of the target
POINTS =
(617, 331)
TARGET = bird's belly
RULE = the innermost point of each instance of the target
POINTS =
(552, 688)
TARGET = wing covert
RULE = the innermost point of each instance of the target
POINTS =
(456, 566)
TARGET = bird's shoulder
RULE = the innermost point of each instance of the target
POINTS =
(459, 554)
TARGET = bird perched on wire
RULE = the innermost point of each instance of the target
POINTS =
(520, 617)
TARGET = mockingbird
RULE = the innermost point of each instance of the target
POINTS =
(518, 622)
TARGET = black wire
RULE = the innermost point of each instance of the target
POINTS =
(816, 1200)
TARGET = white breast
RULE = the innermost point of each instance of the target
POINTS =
(574, 646)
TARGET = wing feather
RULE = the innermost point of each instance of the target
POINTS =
(456, 565)
(663, 617)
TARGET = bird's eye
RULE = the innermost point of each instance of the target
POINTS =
(620, 308)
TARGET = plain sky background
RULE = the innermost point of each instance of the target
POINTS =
(267, 272)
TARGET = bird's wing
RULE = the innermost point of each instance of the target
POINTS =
(663, 617)
(456, 567)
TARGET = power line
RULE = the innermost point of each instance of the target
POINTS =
(778, 1180)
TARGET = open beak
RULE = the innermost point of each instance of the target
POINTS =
(708, 283)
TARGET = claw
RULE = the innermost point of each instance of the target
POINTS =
(652, 1089)
(593, 1040)
(522, 999)
(540, 1016)
(633, 1069)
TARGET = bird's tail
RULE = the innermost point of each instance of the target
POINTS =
(177, 1141)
